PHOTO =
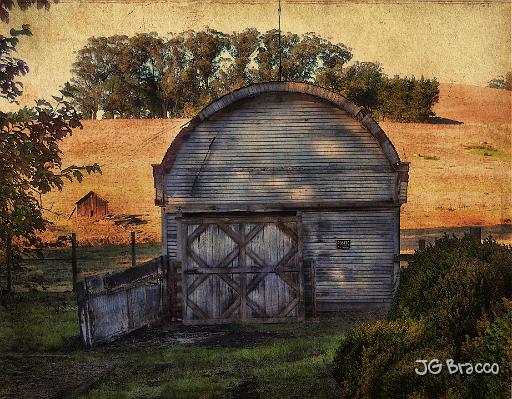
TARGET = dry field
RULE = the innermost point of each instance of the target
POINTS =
(460, 172)
(453, 182)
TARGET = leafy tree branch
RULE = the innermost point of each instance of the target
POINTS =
(30, 158)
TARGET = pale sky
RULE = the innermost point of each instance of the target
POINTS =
(454, 41)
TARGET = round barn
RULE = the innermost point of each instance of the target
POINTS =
(281, 200)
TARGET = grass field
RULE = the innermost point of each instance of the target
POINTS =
(39, 339)
(460, 172)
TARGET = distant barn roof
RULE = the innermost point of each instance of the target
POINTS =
(86, 196)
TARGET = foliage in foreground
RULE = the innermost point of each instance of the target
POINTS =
(7, 6)
(454, 302)
(30, 158)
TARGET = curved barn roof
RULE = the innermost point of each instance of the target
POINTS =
(368, 124)
(305, 88)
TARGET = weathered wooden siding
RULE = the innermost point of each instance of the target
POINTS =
(283, 148)
(280, 147)
(164, 232)
(364, 273)
(92, 206)
(113, 305)
(172, 236)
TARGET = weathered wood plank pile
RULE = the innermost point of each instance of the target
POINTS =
(113, 305)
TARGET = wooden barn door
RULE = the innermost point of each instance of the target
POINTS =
(241, 269)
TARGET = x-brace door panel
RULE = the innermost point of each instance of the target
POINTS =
(241, 269)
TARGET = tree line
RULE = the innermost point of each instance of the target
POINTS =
(150, 76)
(501, 82)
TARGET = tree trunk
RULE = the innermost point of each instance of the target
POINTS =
(165, 106)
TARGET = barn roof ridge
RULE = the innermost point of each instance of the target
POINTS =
(283, 86)
(88, 195)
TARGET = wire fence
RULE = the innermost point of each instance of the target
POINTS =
(59, 269)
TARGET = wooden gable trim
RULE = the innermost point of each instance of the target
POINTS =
(89, 194)
(403, 181)
(199, 207)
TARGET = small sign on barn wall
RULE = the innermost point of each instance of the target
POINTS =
(342, 244)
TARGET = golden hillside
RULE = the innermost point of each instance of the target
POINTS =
(460, 167)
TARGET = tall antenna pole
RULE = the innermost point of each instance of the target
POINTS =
(279, 43)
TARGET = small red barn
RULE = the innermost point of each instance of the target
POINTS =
(92, 206)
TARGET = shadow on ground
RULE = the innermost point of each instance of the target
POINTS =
(437, 120)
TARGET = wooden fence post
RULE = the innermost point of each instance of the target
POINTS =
(476, 234)
(421, 244)
(171, 289)
(134, 256)
(74, 267)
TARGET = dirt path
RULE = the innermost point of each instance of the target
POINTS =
(62, 376)
(43, 376)
(180, 335)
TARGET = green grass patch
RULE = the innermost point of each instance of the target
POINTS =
(294, 367)
(428, 157)
(38, 322)
(273, 361)
(484, 149)
(484, 152)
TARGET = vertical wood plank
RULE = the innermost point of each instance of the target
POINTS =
(421, 244)
(300, 260)
(171, 288)
(476, 233)
(312, 274)
(243, 275)
(163, 214)
(396, 241)
(182, 235)
(129, 307)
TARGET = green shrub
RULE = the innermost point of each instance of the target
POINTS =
(452, 285)
(453, 303)
(377, 360)
(494, 346)
(368, 351)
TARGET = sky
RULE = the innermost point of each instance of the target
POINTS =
(455, 41)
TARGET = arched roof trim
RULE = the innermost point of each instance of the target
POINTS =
(254, 90)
